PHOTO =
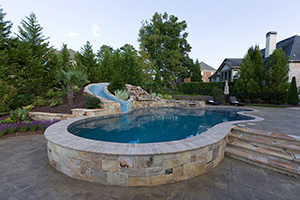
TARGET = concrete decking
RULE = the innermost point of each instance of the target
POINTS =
(26, 174)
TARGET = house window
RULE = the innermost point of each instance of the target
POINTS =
(235, 74)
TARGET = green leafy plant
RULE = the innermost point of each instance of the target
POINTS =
(292, 95)
(217, 93)
(121, 94)
(19, 115)
(56, 101)
(91, 102)
(40, 101)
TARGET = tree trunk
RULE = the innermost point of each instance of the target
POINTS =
(70, 94)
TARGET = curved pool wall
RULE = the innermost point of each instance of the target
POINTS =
(136, 164)
(99, 90)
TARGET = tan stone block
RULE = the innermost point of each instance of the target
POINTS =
(158, 180)
(139, 181)
(96, 165)
(137, 172)
(184, 177)
(178, 171)
(155, 171)
(117, 178)
(126, 161)
(201, 158)
(217, 161)
(209, 156)
(158, 160)
(170, 178)
(143, 161)
(109, 165)
(200, 169)
(185, 157)
(172, 163)
(55, 157)
(189, 169)
(109, 157)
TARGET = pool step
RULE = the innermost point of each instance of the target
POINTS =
(274, 151)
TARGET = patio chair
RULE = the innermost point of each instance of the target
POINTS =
(234, 101)
(210, 100)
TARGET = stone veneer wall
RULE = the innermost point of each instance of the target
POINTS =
(295, 71)
(136, 170)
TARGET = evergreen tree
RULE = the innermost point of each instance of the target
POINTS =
(250, 81)
(292, 95)
(106, 64)
(64, 58)
(276, 76)
(100, 53)
(165, 40)
(87, 63)
(197, 76)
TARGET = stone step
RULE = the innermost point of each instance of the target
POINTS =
(291, 146)
(275, 165)
(277, 155)
(270, 135)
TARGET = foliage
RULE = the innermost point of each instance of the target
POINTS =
(121, 94)
(101, 52)
(165, 41)
(91, 102)
(292, 95)
(197, 76)
(19, 115)
(9, 128)
(69, 79)
(217, 93)
(28, 107)
(87, 63)
(40, 101)
(251, 74)
(117, 83)
(5, 27)
(106, 64)
(64, 58)
(276, 76)
(7, 93)
(201, 88)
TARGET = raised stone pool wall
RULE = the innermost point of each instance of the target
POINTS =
(135, 164)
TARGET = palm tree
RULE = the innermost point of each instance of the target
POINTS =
(71, 78)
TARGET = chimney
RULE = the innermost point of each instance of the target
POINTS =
(270, 43)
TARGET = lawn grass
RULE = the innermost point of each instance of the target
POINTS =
(267, 105)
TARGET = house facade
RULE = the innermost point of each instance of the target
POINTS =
(230, 67)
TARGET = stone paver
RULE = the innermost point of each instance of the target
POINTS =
(26, 174)
(277, 120)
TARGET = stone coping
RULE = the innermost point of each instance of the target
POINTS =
(58, 134)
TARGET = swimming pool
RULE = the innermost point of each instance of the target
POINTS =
(153, 125)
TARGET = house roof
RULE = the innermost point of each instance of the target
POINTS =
(291, 47)
(232, 62)
(206, 67)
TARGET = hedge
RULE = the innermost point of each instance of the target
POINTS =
(201, 88)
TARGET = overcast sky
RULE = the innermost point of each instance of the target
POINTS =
(217, 29)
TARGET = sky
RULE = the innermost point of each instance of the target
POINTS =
(217, 29)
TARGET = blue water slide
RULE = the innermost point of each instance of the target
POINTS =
(99, 90)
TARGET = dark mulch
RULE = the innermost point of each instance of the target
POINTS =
(64, 108)
(37, 132)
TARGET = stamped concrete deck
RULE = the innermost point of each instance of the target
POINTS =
(26, 174)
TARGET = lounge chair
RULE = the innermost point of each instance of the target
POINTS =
(233, 101)
(210, 100)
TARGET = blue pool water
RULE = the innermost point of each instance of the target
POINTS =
(153, 125)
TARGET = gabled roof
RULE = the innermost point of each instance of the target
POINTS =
(232, 62)
(291, 47)
(206, 67)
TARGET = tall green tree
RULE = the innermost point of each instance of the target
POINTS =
(292, 95)
(5, 28)
(251, 74)
(106, 65)
(33, 62)
(64, 58)
(197, 76)
(165, 40)
(276, 76)
(100, 54)
(87, 63)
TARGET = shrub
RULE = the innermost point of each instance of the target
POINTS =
(117, 83)
(91, 102)
(56, 101)
(217, 93)
(40, 101)
(6, 95)
(121, 94)
(292, 95)
(21, 100)
(19, 115)
(201, 88)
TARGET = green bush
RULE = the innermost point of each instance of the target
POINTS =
(91, 102)
(117, 83)
(121, 94)
(56, 101)
(217, 93)
(40, 101)
(19, 115)
(7, 93)
(201, 88)
(292, 95)
(21, 100)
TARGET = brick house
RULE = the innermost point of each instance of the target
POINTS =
(206, 72)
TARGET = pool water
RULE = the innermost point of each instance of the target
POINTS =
(153, 125)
